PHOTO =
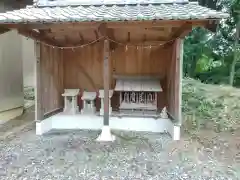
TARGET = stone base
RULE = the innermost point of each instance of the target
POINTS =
(102, 111)
(88, 111)
(71, 111)
(106, 135)
(63, 121)
(39, 129)
(176, 133)
(43, 126)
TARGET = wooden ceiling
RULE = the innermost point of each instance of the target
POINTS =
(72, 34)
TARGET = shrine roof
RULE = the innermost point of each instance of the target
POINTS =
(51, 3)
(148, 85)
(57, 11)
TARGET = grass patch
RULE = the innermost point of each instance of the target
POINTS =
(29, 93)
(210, 106)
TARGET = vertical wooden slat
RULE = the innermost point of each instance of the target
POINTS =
(171, 82)
(106, 82)
(51, 75)
(61, 71)
(178, 80)
(39, 114)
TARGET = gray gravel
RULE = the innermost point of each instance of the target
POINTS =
(74, 155)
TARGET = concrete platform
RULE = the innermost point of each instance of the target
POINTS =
(95, 122)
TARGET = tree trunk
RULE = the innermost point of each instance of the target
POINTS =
(193, 66)
(235, 59)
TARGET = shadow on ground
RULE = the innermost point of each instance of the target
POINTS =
(25, 118)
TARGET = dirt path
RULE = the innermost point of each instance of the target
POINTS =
(16, 124)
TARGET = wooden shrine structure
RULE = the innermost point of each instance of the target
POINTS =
(117, 59)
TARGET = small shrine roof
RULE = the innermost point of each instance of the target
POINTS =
(88, 95)
(57, 11)
(70, 92)
(147, 85)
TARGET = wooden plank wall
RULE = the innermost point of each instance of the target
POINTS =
(143, 61)
(83, 67)
(173, 81)
(140, 60)
(51, 78)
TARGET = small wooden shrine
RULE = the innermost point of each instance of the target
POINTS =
(138, 94)
(109, 63)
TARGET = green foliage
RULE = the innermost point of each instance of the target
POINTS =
(210, 106)
(209, 56)
(28, 93)
(204, 64)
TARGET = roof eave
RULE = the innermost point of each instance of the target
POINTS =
(41, 21)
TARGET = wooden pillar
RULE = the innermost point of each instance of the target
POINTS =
(178, 80)
(106, 82)
(39, 114)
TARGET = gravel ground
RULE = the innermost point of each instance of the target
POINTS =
(75, 155)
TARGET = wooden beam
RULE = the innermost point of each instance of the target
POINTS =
(155, 29)
(95, 25)
(181, 32)
(39, 113)
(110, 34)
(44, 34)
(81, 37)
(142, 31)
(29, 26)
(144, 43)
(106, 82)
(152, 31)
(168, 30)
(37, 36)
(116, 25)
(178, 80)
(102, 29)
(128, 37)
(113, 45)
(144, 38)
(134, 27)
(77, 26)
(66, 39)
(212, 26)
(96, 34)
(153, 24)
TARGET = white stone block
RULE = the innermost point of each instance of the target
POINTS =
(88, 111)
(106, 135)
(88, 102)
(75, 110)
(70, 92)
(101, 93)
(70, 101)
(176, 133)
(102, 111)
(39, 128)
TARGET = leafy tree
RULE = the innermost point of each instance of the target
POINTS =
(213, 57)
